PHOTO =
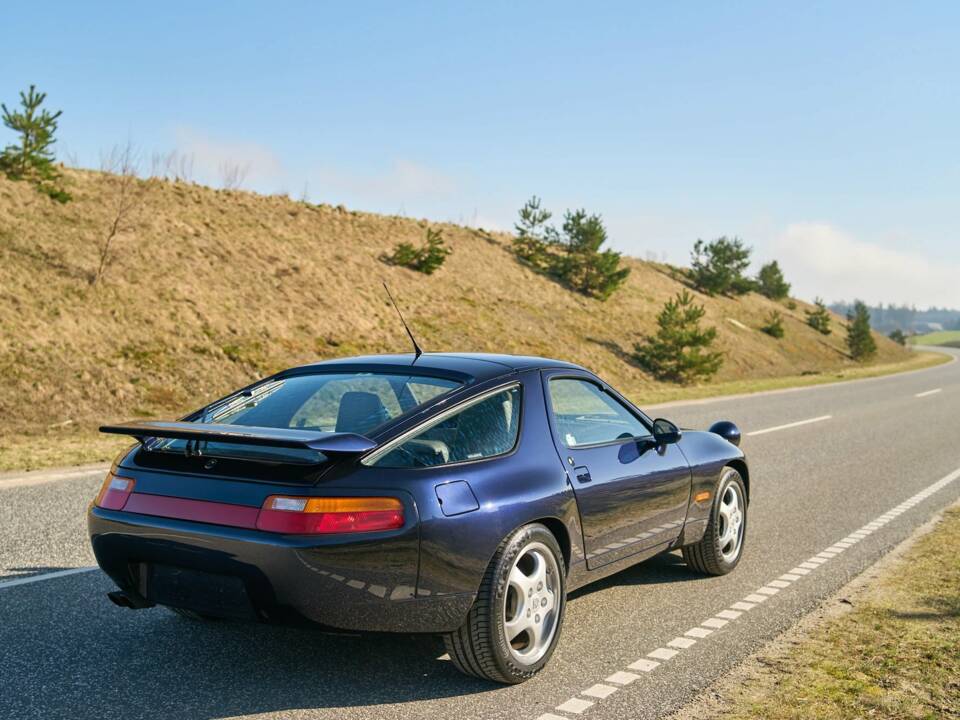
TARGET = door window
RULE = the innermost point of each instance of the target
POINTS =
(586, 415)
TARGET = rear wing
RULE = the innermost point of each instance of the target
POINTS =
(324, 442)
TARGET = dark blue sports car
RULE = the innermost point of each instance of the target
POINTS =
(457, 494)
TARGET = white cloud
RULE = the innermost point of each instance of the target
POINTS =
(212, 159)
(820, 259)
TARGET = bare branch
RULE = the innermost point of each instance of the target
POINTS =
(125, 200)
(232, 175)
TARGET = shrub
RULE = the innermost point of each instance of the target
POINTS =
(819, 319)
(898, 336)
(774, 326)
(718, 267)
(771, 283)
(425, 259)
(679, 352)
(572, 255)
(32, 159)
(860, 340)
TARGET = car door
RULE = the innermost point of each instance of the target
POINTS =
(631, 493)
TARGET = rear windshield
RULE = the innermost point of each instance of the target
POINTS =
(327, 402)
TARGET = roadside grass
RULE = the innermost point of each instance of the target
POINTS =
(894, 654)
(936, 338)
(80, 444)
(918, 361)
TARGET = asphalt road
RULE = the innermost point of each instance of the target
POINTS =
(65, 651)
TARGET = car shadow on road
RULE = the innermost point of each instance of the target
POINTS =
(95, 660)
(658, 570)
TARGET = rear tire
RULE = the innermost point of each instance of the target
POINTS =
(720, 549)
(514, 625)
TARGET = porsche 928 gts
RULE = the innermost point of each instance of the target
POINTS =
(457, 494)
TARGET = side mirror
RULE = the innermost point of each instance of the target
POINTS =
(665, 432)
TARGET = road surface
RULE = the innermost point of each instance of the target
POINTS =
(841, 474)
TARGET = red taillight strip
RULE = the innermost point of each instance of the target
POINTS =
(204, 511)
(383, 514)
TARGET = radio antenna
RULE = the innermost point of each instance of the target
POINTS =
(416, 348)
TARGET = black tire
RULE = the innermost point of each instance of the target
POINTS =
(192, 614)
(706, 556)
(480, 647)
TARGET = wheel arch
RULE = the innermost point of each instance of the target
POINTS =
(561, 533)
(740, 465)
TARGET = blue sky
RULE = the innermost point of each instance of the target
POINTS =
(826, 135)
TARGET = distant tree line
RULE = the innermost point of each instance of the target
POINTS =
(908, 319)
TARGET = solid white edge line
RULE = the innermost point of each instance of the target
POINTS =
(43, 576)
(775, 428)
(928, 392)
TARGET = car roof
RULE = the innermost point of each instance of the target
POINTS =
(481, 366)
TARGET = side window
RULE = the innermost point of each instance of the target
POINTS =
(480, 430)
(586, 415)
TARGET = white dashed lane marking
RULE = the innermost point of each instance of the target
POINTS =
(655, 658)
(775, 428)
(928, 393)
(43, 576)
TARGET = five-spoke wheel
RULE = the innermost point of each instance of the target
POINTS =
(531, 607)
(721, 547)
(514, 625)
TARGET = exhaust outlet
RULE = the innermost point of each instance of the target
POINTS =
(120, 599)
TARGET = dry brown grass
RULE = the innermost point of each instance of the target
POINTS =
(213, 289)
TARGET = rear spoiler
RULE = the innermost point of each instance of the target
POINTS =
(325, 442)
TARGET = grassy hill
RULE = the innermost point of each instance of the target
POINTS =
(212, 289)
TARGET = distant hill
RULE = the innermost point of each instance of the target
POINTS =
(215, 288)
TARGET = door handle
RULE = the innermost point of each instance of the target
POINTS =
(583, 473)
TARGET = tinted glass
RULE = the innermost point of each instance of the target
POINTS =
(481, 430)
(325, 402)
(586, 415)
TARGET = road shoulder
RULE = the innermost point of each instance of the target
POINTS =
(887, 645)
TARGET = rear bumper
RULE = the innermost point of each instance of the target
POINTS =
(364, 583)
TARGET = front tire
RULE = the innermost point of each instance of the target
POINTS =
(720, 549)
(514, 625)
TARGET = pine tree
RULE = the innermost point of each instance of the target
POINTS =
(771, 281)
(585, 268)
(572, 255)
(898, 336)
(679, 352)
(860, 340)
(534, 236)
(819, 319)
(774, 326)
(718, 267)
(426, 259)
(32, 158)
